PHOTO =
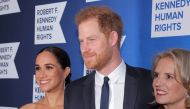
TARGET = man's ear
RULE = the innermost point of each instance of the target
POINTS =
(113, 38)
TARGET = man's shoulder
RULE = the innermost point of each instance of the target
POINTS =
(81, 81)
(138, 71)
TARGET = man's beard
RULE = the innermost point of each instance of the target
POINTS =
(97, 61)
(90, 60)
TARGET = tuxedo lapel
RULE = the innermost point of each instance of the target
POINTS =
(88, 92)
(130, 91)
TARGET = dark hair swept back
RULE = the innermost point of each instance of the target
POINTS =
(61, 56)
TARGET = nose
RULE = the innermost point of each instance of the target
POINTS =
(41, 74)
(157, 81)
(84, 46)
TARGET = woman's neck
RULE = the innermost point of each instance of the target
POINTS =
(53, 99)
(179, 105)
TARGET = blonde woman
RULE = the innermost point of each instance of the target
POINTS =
(171, 83)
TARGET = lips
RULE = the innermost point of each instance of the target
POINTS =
(88, 55)
(160, 92)
(42, 82)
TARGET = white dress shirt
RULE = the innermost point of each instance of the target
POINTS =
(116, 85)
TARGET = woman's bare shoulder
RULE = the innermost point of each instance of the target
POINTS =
(28, 106)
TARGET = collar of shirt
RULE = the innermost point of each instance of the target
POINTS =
(117, 76)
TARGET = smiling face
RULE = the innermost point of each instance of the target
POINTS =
(95, 46)
(48, 72)
(168, 89)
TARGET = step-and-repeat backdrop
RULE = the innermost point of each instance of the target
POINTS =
(29, 25)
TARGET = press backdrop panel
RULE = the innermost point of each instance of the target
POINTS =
(29, 25)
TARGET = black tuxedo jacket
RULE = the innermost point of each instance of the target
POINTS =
(80, 94)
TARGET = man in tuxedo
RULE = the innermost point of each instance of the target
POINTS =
(114, 84)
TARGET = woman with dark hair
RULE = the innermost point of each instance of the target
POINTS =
(171, 83)
(52, 72)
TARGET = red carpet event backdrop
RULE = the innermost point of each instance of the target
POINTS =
(29, 25)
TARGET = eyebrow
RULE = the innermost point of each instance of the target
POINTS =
(45, 64)
(169, 73)
(91, 36)
(173, 74)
